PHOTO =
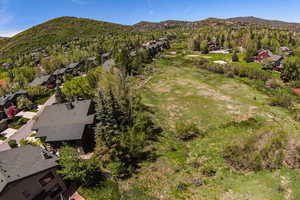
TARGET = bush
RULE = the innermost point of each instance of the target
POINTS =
(12, 144)
(241, 71)
(263, 150)
(24, 103)
(17, 122)
(282, 99)
(2, 137)
(186, 131)
(235, 57)
(38, 91)
(107, 190)
(73, 168)
(291, 71)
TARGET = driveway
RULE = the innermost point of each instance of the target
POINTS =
(25, 131)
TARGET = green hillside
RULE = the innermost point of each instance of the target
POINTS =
(58, 31)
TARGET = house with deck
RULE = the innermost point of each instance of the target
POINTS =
(69, 124)
(47, 80)
(30, 173)
(267, 54)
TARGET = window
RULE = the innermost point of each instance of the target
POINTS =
(46, 179)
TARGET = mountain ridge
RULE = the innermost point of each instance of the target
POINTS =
(64, 29)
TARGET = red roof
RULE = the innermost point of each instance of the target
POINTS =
(2, 83)
(297, 91)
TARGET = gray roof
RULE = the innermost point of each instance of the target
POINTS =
(60, 71)
(40, 80)
(5, 99)
(73, 65)
(19, 163)
(58, 123)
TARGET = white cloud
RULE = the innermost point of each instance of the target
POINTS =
(9, 33)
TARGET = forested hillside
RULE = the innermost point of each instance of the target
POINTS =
(183, 110)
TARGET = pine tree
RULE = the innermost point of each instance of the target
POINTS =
(235, 57)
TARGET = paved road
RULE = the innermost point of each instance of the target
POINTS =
(25, 130)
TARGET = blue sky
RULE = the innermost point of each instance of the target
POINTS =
(18, 15)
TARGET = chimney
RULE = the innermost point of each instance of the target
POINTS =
(69, 105)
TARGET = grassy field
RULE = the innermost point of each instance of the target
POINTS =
(227, 111)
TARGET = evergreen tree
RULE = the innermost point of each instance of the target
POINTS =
(235, 57)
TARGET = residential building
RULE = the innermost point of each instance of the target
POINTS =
(67, 124)
(30, 173)
(47, 80)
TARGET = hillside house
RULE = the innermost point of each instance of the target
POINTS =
(47, 80)
(11, 99)
(67, 124)
(29, 173)
(286, 51)
(267, 54)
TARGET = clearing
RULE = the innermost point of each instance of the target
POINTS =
(179, 91)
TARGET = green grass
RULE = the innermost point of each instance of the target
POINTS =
(105, 191)
(221, 107)
(3, 138)
(17, 122)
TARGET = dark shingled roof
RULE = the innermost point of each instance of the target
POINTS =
(60, 71)
(40, 80)
(5, 99)
(19, 163)
(58, 123)
(73, 65)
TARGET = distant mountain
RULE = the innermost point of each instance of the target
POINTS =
(143, 25)
(64, 29)
(276, 24)
(58, 30)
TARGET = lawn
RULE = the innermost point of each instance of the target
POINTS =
(17, 122)
(2, 138)
(221, 107)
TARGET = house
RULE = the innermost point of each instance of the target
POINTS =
(11, 99)
(286, 51)
(263, 54)
(71, 67)
(267, 54)
(67, 124)
(29, 173)
(47, 80)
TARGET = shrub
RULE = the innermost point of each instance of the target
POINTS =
(295, 84)
(282, 99)
(263, 150)
(86, 172)
(107, 190)
(209, 171)
(38, 91)
(186, 131)
(241, 71)
(291, 71)
(235, 57)
(13, 144)
(17, 122)
(24, 103)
